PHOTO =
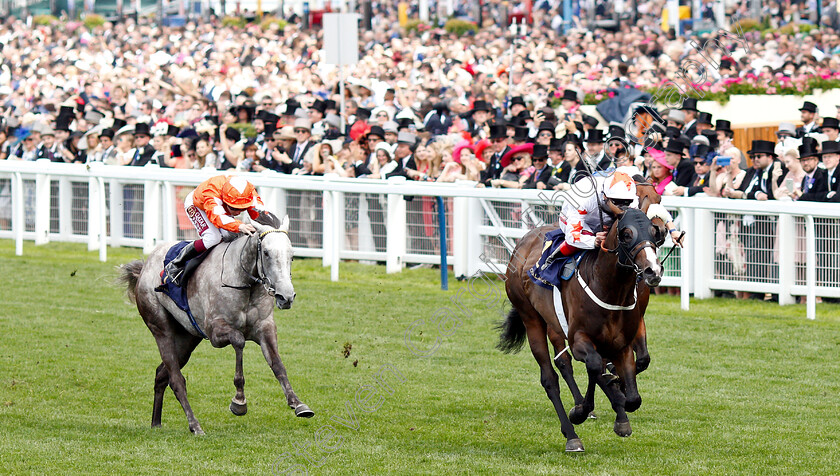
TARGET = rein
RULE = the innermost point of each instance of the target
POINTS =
(261, 277)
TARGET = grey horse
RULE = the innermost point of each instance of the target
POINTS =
(232, 296)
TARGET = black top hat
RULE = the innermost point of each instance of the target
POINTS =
(376, 131)
(291, 107)
(570, 95)
(546, 126)
(330, 104)
(689, 104)
(521, 134)
(402, 123)
(364, 113)
(524, 115)
(676, 146)
(498, 131)
(830, 147)
(591, 121)
(808, 148)
(809, 106)
(264, 115)
(558, 144)
(723, 125)
(672, 132)
(118, 124)
(517, 100)
(270, 127)
(173, 131)
(62, 122)
(142, 129)
(540, 151)
(616, 131)
(480, 105)
(595, 136)
(109, 133)
(831, 123)
(762, 147)
(67, 111)
(712, 137)
(319, 106)
(704, 118)
(702, 150)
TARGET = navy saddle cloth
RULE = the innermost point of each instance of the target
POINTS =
(178, 294)
(552, 275)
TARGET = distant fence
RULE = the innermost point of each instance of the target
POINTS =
(774, 247)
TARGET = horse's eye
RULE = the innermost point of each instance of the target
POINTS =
(627, 235)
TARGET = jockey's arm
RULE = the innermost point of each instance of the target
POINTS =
(578, 233)
(658, 211)
(219, 217)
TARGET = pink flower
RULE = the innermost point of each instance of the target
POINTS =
(611, 94)
(825, 76)
(771, 90)
(557, 93)
(716, 88)
(598, 97)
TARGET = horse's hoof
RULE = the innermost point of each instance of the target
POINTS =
(592, 416)
(574, 446)
(303, 411)
(578, 415)
(238, 409)
(622, 428)
(197, 431)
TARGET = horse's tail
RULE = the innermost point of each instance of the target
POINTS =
(129, 275)
(512, 333)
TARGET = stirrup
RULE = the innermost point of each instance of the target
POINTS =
(174, 274)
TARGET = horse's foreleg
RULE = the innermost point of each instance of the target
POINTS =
(536, 330)
(584, 351)
(641, 349)
(268, 344)
(627, 372)
(238, 406)
(626, 368)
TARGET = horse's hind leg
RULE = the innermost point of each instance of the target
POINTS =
(268, 344)
(563, 361)
(536, 331)
(185, 345)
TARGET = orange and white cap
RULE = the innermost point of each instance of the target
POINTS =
(619, 186)
(238, 193)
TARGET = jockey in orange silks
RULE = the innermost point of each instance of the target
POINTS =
(210, 207)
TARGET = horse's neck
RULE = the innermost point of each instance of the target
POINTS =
(614, 282)
(241, 254)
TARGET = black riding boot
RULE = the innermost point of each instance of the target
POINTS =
(175, 268)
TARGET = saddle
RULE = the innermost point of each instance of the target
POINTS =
(178, 294)
(550, 274)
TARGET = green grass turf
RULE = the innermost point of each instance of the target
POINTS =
(733, 388)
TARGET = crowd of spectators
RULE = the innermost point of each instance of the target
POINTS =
(498, 109)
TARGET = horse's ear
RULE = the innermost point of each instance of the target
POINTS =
(284, 225)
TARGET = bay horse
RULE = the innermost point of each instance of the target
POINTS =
(604, 307)
(232, 296)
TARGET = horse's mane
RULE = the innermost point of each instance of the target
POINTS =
(268, 219)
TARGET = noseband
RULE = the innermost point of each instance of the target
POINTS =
(261, 277)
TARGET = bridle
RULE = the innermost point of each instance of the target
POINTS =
(627, 257)
(261, 278)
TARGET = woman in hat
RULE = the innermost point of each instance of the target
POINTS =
(660, 173)
(791, 187)
(384, 163)
(212, 207)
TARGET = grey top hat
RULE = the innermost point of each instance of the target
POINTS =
(407, 138)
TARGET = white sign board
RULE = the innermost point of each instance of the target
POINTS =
(341, 38)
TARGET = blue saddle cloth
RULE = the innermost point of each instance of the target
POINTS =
(178, 294)
(551, 275)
